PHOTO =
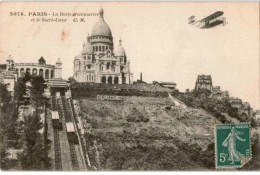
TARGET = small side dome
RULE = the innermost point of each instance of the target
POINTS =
(76, 58)
(120, 51)
(58, 61)
(9, 58)
(87, 49)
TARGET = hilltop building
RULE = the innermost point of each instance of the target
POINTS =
(257, 116)
(225, 94)
(217, 93)
(41, 69)
(246, 108)
(98, 61)
(204, 82)
(170, 85)
(10, 71)
(235, 102)
(8, 74)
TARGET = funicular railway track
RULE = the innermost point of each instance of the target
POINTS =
(57, 150)
(66, 113)
(58, 164)
(68, 117)
(53, 103)
(73, 156)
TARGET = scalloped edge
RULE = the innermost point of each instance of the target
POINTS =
(228, 166)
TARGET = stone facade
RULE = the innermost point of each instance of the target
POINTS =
(204, 82)
(246, 108)
(98, 61)
(40, 69)
(10, 71)
(225, 94)
(8, 74)
(235, 102)
(47, 71)
(257, 116)
(217, 93)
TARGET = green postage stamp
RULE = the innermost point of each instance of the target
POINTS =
(232, 145)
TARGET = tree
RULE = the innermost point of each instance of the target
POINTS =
(8, 123)
(37, 90)
(32, 158)
(5, 97)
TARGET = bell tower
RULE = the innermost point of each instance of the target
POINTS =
(9, 63)
(58, 69)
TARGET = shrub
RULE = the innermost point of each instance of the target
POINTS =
(136, 116)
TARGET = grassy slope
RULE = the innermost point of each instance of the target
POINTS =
(170, 140)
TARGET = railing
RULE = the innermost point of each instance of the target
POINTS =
(34, 64)
(68, 118)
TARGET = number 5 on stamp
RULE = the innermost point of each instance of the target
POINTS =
(232, 145)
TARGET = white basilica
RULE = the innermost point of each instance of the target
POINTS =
(98, 61)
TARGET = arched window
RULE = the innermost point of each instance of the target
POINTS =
(34, 71)
(103, 48)
(109, 80)
(28, 70)
(100, 48)
(106, 47)
(41, 73)
(123, 78)
(52, 74)
(96, 48)
(22, 72)
(108, 65)
(116, 80)
(104, 80)
(47, 74)
(17, 70)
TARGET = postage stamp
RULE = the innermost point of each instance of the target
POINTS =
(232, 145)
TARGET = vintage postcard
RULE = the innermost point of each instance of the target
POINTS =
(129, 86)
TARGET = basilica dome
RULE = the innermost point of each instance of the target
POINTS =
(120, 51)
(101, 28)
(87, 49)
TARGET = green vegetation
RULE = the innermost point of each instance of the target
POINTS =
(136, 116)
(8, 131)
(34, 155)
(172, 139)
(203, 99)
(25, 134)
(86, 90)
(254, 163)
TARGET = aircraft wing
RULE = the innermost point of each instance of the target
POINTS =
(212, 16)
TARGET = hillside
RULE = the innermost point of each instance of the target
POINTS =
(147, 133)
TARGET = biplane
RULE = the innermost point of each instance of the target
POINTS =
(210, 21)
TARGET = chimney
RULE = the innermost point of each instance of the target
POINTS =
(141, 77)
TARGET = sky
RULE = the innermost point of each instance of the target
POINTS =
(157, 38)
